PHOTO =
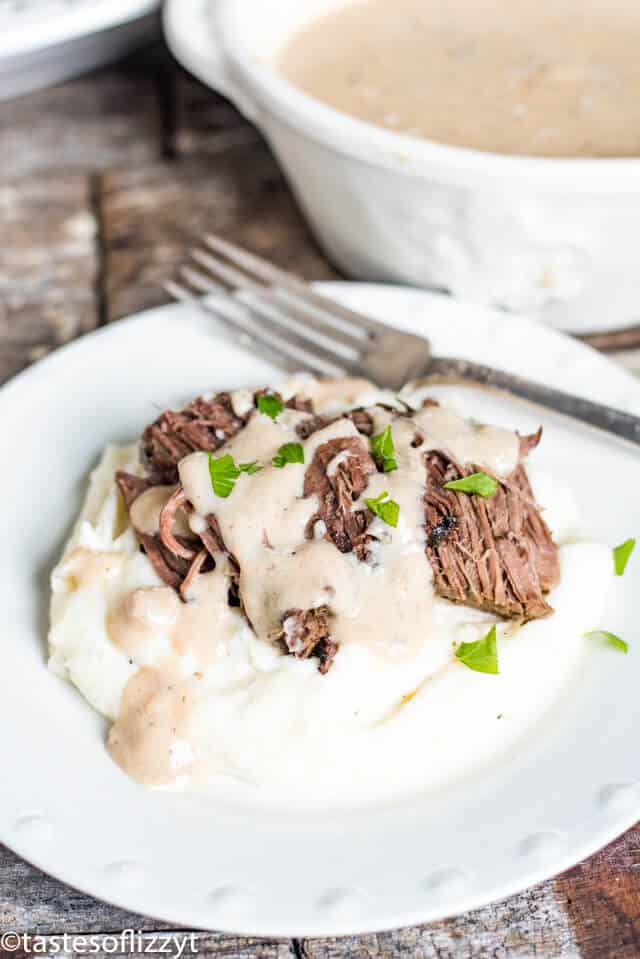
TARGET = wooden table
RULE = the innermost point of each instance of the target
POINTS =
(104, 181)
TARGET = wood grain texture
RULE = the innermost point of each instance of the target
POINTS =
(48, 266)
(203, 122)
(31, 902)
(106, 119)
(151, 215)
(532, 925)
(217, 175)
(602, 900)
(172, 943)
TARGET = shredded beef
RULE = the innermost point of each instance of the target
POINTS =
(171, 569)
(131, 487)
(202, 425)
(495, 554)
(306, 633)
(346, 527)
(299, 403)
(500, 556)
(308, 427)
(361, 419)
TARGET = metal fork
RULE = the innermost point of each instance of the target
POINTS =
(299, 328)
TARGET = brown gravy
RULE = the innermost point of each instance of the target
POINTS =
(537, 77)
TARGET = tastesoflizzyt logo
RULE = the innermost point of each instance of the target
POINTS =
(126, 942)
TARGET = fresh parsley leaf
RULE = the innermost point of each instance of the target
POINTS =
(387, 509)
(621, 555)
(480, 483)
(383, 450)
(270, 405)
(250, 468)
(288, 453)
(224, 473)
(610, 639)
(482, 656)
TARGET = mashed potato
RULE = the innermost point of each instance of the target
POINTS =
(222, 705)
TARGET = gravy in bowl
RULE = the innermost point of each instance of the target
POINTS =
(535, 77)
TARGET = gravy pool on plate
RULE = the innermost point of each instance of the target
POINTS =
(538, 77)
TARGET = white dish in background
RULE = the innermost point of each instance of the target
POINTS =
(43, 42)
(554, 237)
(204, 862)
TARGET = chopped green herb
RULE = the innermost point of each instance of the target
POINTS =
(288, 453)
(480, 483)
(621, 555)
(224, 473)
(383, 450)
(610, 639)
(250, 468)
(270, 405)
(482, 656)
(387, 509)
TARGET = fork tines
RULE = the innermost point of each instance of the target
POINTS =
(282, 315)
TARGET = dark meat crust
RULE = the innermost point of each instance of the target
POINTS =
(500, 557)
(306, 633)
(346, 527)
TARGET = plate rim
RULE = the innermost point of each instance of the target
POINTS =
(331, 927)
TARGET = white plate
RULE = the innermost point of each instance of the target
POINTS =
(573, 786)
(45, 41)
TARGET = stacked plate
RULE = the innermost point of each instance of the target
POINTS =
(45, 41)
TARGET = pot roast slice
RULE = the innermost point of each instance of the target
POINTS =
(494, 554)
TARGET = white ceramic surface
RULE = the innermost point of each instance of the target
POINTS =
(551, 237)
(46, 41)
(202, 862)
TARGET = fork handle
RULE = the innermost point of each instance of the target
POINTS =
(604, 417)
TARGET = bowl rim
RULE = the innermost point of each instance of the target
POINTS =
(378, 147)
(71, 24)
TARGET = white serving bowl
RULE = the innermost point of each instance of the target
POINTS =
(553, 237)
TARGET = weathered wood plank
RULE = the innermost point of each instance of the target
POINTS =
(48, 266)
(32, 902)
(151, 215)
(532, 925)
(106, 119)
(591, 912)
(204, 123)
(176, 944)
(602, 899)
